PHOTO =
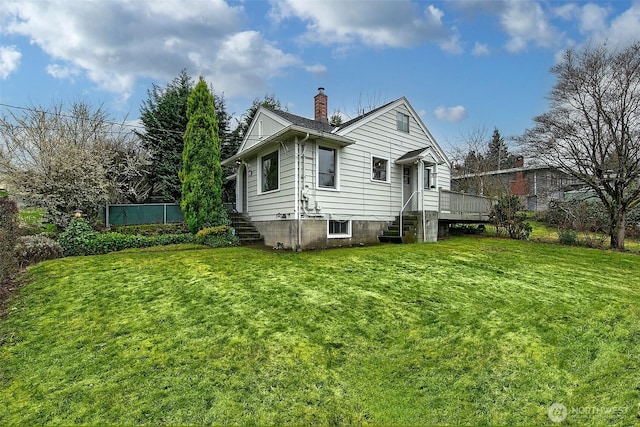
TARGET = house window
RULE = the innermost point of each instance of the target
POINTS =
(327, 167)
(338, 229)
(427, 177)
(402, 122)
(260, 129)
(380, 169)
(269, 175)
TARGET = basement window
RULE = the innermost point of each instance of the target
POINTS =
(337, 229)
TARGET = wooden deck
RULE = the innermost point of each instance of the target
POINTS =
(461, 207)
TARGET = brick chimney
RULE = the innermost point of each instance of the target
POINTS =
(519, 161)
(321, 106)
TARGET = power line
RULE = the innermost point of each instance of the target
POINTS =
(71, 116)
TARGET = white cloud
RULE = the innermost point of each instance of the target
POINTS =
(317, 70)
(385, 23)
(624, 28)
(593, 18)
(480, 49)
(9, 60)
(451, 114)
(62, 72)
(116, 42)
(525, 22)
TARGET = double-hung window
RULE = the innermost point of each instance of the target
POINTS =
(269, 172)
(327, 162)
(379, 169)
(427, 177)
(402, 122)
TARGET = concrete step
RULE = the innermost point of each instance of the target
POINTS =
(390, 239)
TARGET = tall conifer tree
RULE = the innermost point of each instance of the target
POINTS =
(201, 174)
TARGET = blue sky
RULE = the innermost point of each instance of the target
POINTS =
(462, 64)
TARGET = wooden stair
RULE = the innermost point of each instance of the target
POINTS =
(409, 227)
(245, 230)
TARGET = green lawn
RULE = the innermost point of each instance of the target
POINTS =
(463, 331)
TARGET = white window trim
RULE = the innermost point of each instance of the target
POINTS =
(432, 177)
(339, 236)
(337, 152)
(388, 180)
(260, 171)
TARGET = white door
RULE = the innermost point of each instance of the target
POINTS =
(408, 187)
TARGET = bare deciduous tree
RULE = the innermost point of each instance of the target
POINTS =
(63, 160)
(592, 127)
(472, 162)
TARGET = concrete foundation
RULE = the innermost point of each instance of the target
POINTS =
(313, 233)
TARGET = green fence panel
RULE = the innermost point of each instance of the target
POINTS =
(174, 214)
(157, 213)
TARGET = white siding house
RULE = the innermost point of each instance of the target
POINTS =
(307, 184)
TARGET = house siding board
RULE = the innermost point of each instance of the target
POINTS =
(269, 127)
(264, 207)
(361, 197)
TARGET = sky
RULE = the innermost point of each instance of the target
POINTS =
(464, 65)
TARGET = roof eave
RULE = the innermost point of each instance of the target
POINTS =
(287, 132)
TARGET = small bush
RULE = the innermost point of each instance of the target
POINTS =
(217, 237)
(568, 237)
(78, 238)
(151, 229)
(8, 239)
(508, 215)
(36, 248)
(460, 229)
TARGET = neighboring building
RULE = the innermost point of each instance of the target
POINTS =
(307, 184)
(537, 185)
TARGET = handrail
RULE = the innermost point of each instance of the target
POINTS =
(403, 207)
(451, 201)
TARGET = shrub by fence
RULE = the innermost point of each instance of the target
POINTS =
(36, 248)
(80, 239)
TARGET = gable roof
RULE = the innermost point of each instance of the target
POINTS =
(298, 125)
(293, 127)
(419, 154)
(349, 126)
(363, 116)
(303, 121)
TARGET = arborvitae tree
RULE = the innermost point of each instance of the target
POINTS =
(201, 174)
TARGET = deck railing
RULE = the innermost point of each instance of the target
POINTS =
(461, 203)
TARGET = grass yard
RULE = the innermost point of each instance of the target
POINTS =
(464, 331)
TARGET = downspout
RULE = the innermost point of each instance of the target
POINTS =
(421, 186)
(297, 155)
